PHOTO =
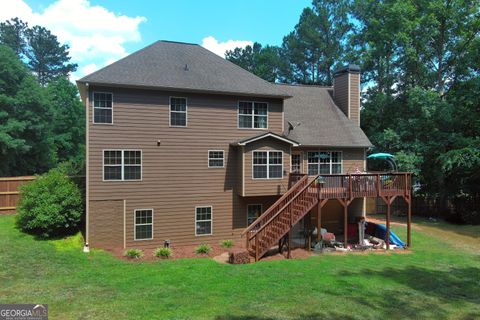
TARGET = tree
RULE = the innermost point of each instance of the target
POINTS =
(26, 146)
(47, 59)
(68, 120)
(317, 43)
(12, 34)
(264, 62)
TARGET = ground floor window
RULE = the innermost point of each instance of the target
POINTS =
(143, 224)
(296, 163)
(253, 212)
(203, 221)
(324, 162)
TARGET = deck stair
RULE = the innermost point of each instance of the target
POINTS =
(275, 223)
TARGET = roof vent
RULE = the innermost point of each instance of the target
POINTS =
(186, 67)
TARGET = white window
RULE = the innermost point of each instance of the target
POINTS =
(102, 107)
(296, 163)
(267, 164)
(324, 162)
(178, 112)
(253, 212)
(252, 115)
(203, 221)
(216, 158)
(122, 165)
(143, 224)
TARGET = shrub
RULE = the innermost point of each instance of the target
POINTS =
(133, 253)
(203, 249)
(163, 253)
(50, 206)
(226, 243)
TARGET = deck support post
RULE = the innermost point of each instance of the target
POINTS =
(289, 244)
(319, 221)
(387, 235)
(308, 243)
(409, 222)
(345, 222)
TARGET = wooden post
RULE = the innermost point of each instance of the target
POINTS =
(319, 221)
(309, 232)
(409, 222)
(345, 222)
(289, 243)
(319, 212)
(256, 248)
(387, 235)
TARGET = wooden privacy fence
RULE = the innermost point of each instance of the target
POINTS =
(9, 192)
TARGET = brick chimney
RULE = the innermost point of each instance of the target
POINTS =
(346, 91)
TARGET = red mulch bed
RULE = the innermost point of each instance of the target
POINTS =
(179, 252)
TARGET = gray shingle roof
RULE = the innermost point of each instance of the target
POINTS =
(318, 121)
(183, 66)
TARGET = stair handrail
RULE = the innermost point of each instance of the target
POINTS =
(273, 206)
(285, 206)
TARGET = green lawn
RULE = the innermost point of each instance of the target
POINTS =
(436, 281)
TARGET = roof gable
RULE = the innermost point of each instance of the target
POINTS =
(182, 66)
(269, 134)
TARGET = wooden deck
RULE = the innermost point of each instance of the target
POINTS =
(305, 193)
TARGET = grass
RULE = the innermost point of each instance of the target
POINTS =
(436, 281)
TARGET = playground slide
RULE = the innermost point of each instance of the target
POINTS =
(381, 231)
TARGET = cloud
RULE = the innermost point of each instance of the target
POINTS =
(220, 48)
(96, 36)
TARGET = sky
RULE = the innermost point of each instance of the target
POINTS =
(100, 32)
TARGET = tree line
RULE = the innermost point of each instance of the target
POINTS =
(420, 63)
(42, 120)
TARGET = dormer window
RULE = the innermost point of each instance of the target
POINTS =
(102, 107)
(252, 115)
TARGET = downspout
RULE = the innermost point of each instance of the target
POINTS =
(86, 248)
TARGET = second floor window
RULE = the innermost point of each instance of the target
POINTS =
(119, 165)
(267, 164)
(102, 107)
(178, 112)
(324, 162)
(253, 115)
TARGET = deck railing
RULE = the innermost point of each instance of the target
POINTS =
(350, 186)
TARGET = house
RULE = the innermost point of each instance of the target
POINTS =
(186, 147)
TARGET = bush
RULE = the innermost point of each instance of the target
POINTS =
(50, 206)
(203, 249)
(163, 253)
(133, 253)
(226, 243)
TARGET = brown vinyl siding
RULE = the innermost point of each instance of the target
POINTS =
(176, 177)
(106, 224)
(355, 97)
(347, 95)
(340, 93)
(258, 187)
(352, 158)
